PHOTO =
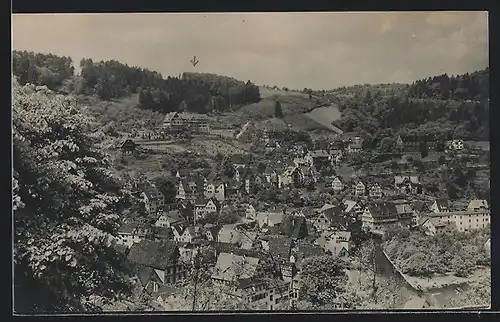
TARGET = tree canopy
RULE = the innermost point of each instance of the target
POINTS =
(65, 208)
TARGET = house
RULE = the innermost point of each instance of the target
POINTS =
(432, 226)
(245, 176)
(163, 233)
(359, 189)
(212, 233)
(295, 226)
(375, 191)
(335, 156)
(416, 303)
(464, 220)
(234, 190)
(406, 214)
(231, 269)
(355, 147)
(456, 145)
(186, 190)
(271, 176)
(157, 262)
(291, 176)
(153, 200)
(440, 206)
(128, 146)
(203, 207)
(300, 162)
(189, 235)
(165, 295)
(337, 184)
(355, 209)
(270, 219)
(317, 158)
(399, 142)
(130, 233)
(178, 122)
(407, 184)
(177, 231)
(337, 243)
(478, 205)
(169, 218)
(216, 190)
(187, 253)
(328, 217)
(304, 250)
(228, 234)
(378, 216)
(239, 160)
(250, 212)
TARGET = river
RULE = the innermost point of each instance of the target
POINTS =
(439, 297)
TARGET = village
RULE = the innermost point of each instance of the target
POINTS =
(251, 225)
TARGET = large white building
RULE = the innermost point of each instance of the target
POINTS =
(476, 216)
(197, 123)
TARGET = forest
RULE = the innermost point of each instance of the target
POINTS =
(439, 108)
(194, 92)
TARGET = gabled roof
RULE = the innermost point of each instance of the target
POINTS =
(280, 247)
(404, 208)
(239, 159)
(272, 217)
(228, 234)
(156, 254)
(326, 207)
(164, 232)
(476, 204)
(349, 205)
(305, 250)
(215, 202)
(214, 230)
(383, 210)
(231, 267)
(127, 228)
(144, 274)
(442, 204)
(406, 179)
(319, 154)
(173, 216)
(152, 192)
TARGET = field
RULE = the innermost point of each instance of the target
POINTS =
(298, 110)
(267, 92)
(325, 116)
(213, 147)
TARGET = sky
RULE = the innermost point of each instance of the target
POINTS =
(296, 50)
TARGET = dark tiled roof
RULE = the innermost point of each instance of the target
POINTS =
(383, 210)
(157, 254)
(442, 204)
(280, 247)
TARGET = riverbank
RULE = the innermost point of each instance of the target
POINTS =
(429, 284)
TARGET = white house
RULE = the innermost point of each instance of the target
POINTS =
(153, 200)
(337, 184)
(360, 189)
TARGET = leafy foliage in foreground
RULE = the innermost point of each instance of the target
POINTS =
(66, 205)
(324, 280)
(419, 255)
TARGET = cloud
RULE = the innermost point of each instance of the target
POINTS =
(297, 50)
